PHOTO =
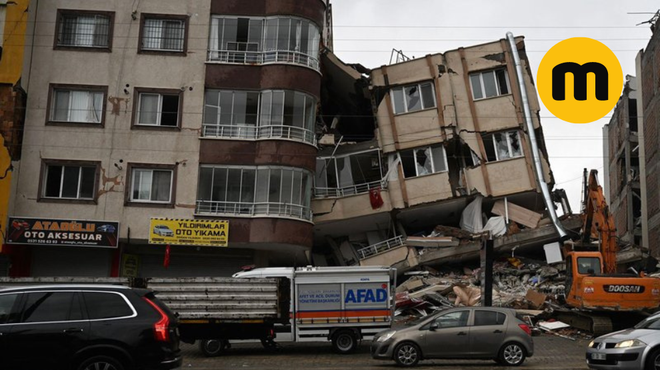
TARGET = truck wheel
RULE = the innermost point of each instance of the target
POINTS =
(212, 347)
(269, 344)
(344, 341)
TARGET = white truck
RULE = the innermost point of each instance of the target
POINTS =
(342, 304)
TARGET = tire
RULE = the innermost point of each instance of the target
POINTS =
(407, 354)
(653, 360)
(101, 363)
(344, 341)
(212, 347)
(511, 354)
(269, 344)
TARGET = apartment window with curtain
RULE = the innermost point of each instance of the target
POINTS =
(412, 98)
(69, 180)
(254, 191)
(489, 84)
(255, 115)
(502, 145)
(423, 161)
(151, 184)
(77, 104)
(264, 40)
(158, 108)
(84, 29)
(163, 33)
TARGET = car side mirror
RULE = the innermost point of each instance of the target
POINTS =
(434, 325)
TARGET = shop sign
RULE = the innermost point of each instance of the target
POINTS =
(130, 265)
(48, 231)
(214, 233)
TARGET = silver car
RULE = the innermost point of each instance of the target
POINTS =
(635, 348)
(458, 333)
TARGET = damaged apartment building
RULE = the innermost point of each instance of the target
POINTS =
(426, 147)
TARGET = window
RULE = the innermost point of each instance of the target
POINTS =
(70, 181)
(50, 306)
(423, 161)
(453, 319)
(259, 114)
(84, 29)
(158, 108)
(151, 185)
(413, 98)
(264, 40)
(483, 318)
(588, 265)
(162, 33)
(106, 305)
(502, 145)
(69, 104)
(489, 84)
(254, 191)
(349, 174)
(7, 302)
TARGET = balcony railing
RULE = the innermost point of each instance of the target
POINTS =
(252, 132)
(320, 192)
(209, 207)
(262, 57)
(381, 247)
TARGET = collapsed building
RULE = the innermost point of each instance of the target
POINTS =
(413, 154)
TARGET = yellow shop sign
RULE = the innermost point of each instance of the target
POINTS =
(211, 233)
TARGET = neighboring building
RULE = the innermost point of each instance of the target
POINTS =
(435, 132)
(13, 23)
(622, 167)
(648, 111)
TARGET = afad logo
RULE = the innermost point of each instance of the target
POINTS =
(580, 80)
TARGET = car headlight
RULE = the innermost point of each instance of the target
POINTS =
(385, 337)
(630, 343)
(591, 344)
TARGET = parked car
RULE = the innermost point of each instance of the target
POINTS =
(458, 333)
(163, 230)
(634, 348)
(86, 327)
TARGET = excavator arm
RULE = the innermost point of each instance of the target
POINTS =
(598, 223)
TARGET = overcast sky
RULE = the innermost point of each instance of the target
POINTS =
(366, 31)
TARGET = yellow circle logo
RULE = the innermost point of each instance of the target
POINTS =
(580, 80)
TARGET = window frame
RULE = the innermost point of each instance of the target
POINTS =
(153, 91)
(128, 196)
(179, 17)
(508, 144)
(78, 12)
(421, 98)
(45, 163)
(414, 151)
(497, 84)
(70, 87)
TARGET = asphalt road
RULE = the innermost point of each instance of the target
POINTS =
(551, 353)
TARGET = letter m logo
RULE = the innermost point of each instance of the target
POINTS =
(579, 80)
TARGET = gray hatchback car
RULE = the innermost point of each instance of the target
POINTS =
(458, 333)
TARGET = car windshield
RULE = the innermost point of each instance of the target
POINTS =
(649, 323)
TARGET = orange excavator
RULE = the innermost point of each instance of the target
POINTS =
(593, 285)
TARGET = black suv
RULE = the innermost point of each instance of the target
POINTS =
(86, 327)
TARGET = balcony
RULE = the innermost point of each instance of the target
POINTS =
(251, 57)
(252, 132)
(378, 248)
(320, 192)
(241, 209)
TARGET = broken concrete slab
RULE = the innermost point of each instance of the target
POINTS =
(517, 213)
(437, 241)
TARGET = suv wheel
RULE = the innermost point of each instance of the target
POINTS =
(212, 347)
(101, 363)
(512, 354)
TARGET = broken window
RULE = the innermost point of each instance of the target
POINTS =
(502, 145)
(158, 109)
(489, 84)
(349, 174)
(413, 97)
(423, 161)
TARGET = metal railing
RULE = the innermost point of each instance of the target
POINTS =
(262, 57)
(251, 132)
(210, 207)
(320, 192)
(381, 247)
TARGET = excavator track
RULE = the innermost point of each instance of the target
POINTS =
(599, 323)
